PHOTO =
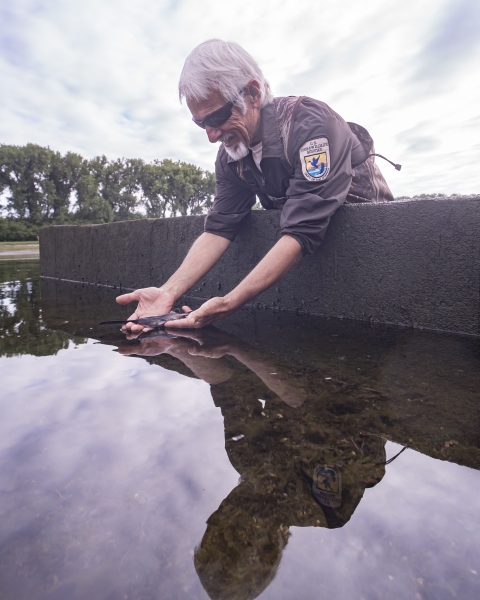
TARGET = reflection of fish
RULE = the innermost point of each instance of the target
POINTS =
(152, 322)
(156, 333)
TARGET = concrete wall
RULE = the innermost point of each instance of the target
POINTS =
(412, 263)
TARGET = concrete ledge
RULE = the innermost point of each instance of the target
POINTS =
(410, 263)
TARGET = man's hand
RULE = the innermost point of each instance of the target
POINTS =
(210, 342)
(212, 310)
(152, 301)
(148, 347)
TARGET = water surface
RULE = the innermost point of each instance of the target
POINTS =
(251, 461)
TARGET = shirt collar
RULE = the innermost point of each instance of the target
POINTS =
(271, 141)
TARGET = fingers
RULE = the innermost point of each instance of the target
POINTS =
(193, 335)
(131, 335)
(210, 311)
(133, 328)
(149, 347)
(189, 322)
(128, 326)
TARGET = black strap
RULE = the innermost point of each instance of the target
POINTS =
(394, 457)
(398, 167)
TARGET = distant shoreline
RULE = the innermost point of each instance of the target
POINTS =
(19, 250)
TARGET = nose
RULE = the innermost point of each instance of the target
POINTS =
(213, 133)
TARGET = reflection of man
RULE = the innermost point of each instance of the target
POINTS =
(295, 469)
(296, 154)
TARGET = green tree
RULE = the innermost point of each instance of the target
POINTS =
(44, 186)
(121, 186)
(13, 230)
(176, 188)
(63, 177)
(188, 189)
(40, 181)
(153, 184)
(91, 205)
(23, 171)
(109, 190)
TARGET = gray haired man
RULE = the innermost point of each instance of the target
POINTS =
(294, 153)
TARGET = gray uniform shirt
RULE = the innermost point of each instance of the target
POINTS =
(312, 162)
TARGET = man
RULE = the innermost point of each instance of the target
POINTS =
(295, 154)
(299, 462)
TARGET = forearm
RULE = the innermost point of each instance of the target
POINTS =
(286, 253)
(275, 376)
(203, 255)
(281, 258)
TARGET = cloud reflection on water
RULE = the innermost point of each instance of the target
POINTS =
(109, 458)
(415, 533)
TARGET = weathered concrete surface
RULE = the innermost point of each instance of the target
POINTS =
(412, 263)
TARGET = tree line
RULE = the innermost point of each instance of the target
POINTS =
(40, 186)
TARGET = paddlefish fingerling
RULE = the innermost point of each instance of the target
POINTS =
(160, 320)
(154, 322)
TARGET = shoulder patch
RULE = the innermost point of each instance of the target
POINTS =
(315, 159)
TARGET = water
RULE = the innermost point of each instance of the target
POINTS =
(119, 477)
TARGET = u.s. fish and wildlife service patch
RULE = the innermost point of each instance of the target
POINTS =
(327, 486)
(315, 159)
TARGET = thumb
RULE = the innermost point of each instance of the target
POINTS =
(182, 323)
(127, 298)
(191, 319)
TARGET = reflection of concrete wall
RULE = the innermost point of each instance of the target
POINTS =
(408, 262)
(415, 388)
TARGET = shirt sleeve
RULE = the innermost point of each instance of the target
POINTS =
(319, 149)
(233, 201)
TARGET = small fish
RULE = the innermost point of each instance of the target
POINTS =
(152, 322)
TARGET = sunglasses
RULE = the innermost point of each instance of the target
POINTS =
(218, 117)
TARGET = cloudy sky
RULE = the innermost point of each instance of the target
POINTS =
(100, 76)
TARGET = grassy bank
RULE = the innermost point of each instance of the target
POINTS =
(17, 244)
(18, 248)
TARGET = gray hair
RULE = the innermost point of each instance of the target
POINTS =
(224, 67)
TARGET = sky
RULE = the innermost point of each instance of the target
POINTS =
(100, 76)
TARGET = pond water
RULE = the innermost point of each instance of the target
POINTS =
(256, 460)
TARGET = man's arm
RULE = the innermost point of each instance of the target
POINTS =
(202, 256)
(286, 253)
(233, 203)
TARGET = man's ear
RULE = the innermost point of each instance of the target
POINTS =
(253, 89)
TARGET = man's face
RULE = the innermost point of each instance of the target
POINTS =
(240, 131)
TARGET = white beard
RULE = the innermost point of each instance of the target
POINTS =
(238, 151)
